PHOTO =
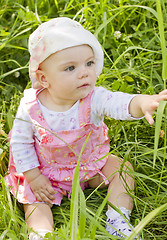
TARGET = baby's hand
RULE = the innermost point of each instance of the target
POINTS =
(151, 103)
(42, 189)
(145, 105)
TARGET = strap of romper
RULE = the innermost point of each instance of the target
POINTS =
(33, 107)
(85, 110)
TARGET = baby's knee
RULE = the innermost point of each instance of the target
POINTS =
(126, 170)
(128, 166)
(118, 163)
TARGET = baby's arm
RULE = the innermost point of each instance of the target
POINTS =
(25, 158)
(40, 185)
(145, 105)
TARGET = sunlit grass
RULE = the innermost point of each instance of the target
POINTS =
(134, 63)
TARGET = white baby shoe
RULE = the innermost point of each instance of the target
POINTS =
(119, 226)
(39, 235)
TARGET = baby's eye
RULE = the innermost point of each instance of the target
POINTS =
(71, 68)
(90, 63)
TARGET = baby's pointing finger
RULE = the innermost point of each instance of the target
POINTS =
(164, 92)
(161, 97)
(149, 118)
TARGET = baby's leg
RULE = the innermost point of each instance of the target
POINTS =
(120, 183)
(39, 217)
(119, 196)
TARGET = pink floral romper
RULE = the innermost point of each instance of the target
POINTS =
(58, 153)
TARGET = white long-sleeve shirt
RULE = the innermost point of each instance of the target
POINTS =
(103, 103)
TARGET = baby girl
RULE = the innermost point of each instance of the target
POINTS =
(55, 118)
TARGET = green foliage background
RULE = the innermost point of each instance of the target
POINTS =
(133, 64)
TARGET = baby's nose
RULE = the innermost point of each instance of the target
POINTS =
(83, 73)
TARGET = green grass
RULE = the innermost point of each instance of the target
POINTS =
(134, 63)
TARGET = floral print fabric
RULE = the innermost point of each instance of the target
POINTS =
(58, 153)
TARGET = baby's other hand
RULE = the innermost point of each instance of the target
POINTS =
(150, 103)
(145, 105)
(42, 189)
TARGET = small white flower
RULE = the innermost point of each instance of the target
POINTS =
(117, 34)
(27, 9)
(17, 74)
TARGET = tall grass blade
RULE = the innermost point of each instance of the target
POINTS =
(12, 71)
(101, 228)
(159, 114)
(9, 119)
(163, 42)
(82, 217)
(130, 49)
(97, 215)
(74, 204)
(146, 220)
(120, 10)
(56, 3)
(75, 196)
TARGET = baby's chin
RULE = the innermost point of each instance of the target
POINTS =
(84, 91)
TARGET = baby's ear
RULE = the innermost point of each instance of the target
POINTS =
(42, 79)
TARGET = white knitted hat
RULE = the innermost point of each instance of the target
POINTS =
(58, 34)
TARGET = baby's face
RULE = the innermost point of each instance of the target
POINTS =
(70, 74)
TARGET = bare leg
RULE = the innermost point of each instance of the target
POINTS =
(119, 196)
(119, 186)
(39, 216)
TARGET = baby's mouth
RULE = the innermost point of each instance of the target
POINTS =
(84, 85)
